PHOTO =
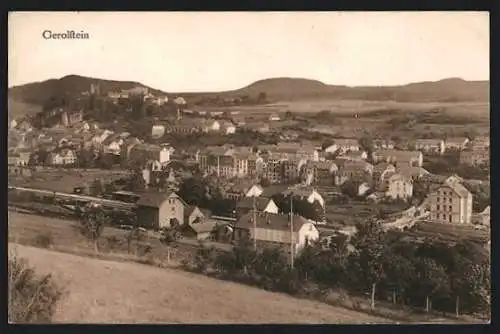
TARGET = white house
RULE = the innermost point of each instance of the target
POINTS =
(157, 131)
(228, 128)
(164, 155)
(254, 191)
(261, 204)
(276, 229)
(305, 193)
(363, 188)
(211, 126)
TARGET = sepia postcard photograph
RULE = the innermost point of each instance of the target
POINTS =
(249, 168)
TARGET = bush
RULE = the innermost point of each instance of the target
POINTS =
(32, 299)
(43, 240)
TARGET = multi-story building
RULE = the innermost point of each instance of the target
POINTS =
(435, 146)
(399, 187)
(63, 157)
(318, 173)
(381, 173)
(291, 170)
(276, 230)
(451, 203)
(411, 158)
(273, 170)
(354, 170)
(142, 153)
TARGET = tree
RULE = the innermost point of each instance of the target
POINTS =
(431, 279)
(137, 182)
(92, 223)
(85, 158)
(367, 263)
(106, 161)
(270, 264)
(400, 272)
(366, 143)
(244, 256)
(204, 257)
(32, 298)
(306, 262)
(169, 236)
(135, 233)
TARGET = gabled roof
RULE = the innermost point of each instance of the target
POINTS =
(242, 186)
(247, 203)
(458, 188)
(271, 221)
(155, 200)
(274, 189)
(204, 225)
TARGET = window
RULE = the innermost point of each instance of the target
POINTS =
(438, 207)
(450, 200)
(438, 199)
(449, 218)
(173, 209)
(438, 216)
(450, 208)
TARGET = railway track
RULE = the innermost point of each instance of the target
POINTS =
(76, 197)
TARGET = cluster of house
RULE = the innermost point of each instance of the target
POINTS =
(256, 216)
(290, 163)
(192, 125)
(472, 152)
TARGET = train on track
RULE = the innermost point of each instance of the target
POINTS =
(76, 197)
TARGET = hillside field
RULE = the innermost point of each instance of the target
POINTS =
(117, 292)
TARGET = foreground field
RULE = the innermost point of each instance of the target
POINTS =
(116, 292)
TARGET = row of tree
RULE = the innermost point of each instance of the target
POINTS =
(432, 275)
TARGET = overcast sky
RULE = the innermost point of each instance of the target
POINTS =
(223, 51)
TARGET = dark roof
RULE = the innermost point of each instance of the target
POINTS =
(205, 225)
(271, 221)
(273, 190)
(188, 210)
(247, 203)
(155, 200)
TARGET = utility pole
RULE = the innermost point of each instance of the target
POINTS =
(291, 231)
(254, 225)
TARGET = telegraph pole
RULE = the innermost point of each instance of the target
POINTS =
(254, 225)
(291, 231)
